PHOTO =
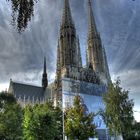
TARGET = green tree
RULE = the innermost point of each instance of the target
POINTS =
(59, 123)
(78, 122)
(135, 132)
(118, 114)
(42, 122)
(10, 118)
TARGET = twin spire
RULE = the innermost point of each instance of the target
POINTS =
(67, 17)
(68, 51)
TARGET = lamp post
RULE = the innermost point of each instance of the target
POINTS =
(63, 119)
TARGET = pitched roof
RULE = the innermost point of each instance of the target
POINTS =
(26, 90)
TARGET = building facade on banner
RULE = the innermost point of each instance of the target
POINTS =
(90, 81)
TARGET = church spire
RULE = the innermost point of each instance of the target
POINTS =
(44, 76)
(96, 58)
(91, 22)
(94, 48)
(68, 39)
(67, 17)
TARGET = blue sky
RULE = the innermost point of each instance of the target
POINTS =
(118, 21)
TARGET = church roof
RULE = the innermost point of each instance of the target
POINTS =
(26, 90)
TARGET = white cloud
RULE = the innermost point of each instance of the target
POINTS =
(4, 86)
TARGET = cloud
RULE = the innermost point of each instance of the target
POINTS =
(131, 81)
(120, 34)
(24, 53)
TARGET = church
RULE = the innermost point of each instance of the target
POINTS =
(72, 78)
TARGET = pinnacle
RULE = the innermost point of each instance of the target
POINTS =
(67, 17)
(44, 65)
(92, 25)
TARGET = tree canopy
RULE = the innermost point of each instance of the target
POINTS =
(10, 118)
(38, 122)
(119, 109)
(135, 132)
(78, 122)
(42, 122)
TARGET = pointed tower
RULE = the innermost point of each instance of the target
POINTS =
(68, 52)
(92, 30)
(67, 17)
(68, 39)
(44, 76)
(94, 47)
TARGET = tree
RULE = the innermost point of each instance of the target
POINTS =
(22, 11)
(136, 129)
(10, 118)
(58, 121)
(118, 114)
(42, 122)
(135, 132)
(78, 122)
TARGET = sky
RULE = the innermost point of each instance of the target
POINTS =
(118, 22)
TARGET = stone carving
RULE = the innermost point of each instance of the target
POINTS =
(82, 74)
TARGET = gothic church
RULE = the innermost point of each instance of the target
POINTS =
(90, 81)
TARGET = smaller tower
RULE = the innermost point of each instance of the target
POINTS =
(44, 76)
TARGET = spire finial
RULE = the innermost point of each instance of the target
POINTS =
(44, 64)
(44, 76)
